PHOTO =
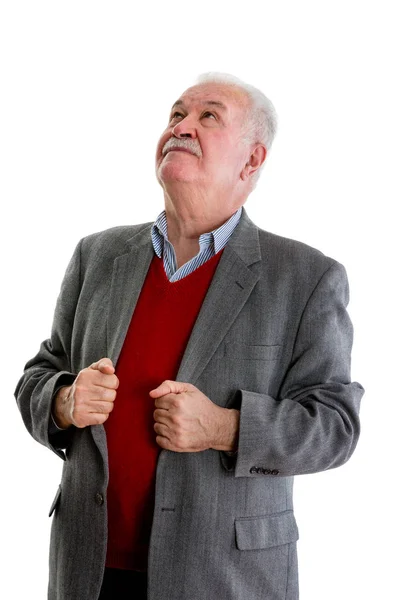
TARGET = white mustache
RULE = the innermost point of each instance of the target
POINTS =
(188, 144)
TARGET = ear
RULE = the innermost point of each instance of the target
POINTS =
(257, 157)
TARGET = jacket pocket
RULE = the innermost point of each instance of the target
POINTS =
(267, 531)
(252, 351)
(55, 501)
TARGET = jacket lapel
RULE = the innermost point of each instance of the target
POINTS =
(229, 290)
(129, 273)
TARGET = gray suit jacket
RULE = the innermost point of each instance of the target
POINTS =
(272, 339)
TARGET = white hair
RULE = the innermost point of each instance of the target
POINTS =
(261, 120)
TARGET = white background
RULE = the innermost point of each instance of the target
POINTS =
(86, 91)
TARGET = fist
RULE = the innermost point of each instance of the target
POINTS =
(90, 399)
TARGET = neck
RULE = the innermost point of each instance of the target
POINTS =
(189, 215)
(191, 212)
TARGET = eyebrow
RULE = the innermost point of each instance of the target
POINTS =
(207, 102)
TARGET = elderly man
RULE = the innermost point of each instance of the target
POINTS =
(195, 365)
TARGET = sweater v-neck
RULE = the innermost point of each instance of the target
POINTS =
(162, 278)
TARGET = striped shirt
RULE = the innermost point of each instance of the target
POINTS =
(210, 244)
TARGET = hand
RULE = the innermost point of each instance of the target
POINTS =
(90, 399)
(185, 419)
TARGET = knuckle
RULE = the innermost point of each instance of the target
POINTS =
(102, 393)
(109, 395)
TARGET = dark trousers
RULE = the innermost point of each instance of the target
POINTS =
(121, 584)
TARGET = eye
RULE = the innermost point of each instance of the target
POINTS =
(205, 114)
(176, 113)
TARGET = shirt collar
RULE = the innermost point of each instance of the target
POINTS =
(218, 237)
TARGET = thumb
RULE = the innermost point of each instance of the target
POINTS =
(104, 365)
(170, 387)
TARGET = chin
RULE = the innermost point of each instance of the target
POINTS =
(174, 173)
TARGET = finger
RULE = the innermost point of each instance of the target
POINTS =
(162, 430)
(84, 395)
(103, 408)
(167, 402)
(106, 380)
(103, 394)
(164, 442)
(104, 365)
(87, 391)
(169, 387)
(161, 415)
(94, 414)
(92, 419)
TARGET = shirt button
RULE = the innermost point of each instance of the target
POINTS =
(99, 498)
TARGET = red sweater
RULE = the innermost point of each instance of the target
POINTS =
(152, 351)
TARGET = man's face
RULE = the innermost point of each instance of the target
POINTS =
(207, 121)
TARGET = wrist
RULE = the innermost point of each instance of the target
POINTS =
(227, 436)
(59, 407)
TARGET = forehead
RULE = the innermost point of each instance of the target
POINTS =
(227, 98)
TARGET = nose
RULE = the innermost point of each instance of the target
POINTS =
(183, 129)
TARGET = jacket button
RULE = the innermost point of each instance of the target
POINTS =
(253, 470)
(99, 498)
(259, 469)
(267, 471)
(275, 472)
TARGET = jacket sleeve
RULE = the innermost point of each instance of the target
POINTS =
(313, 423)
(50, 369)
